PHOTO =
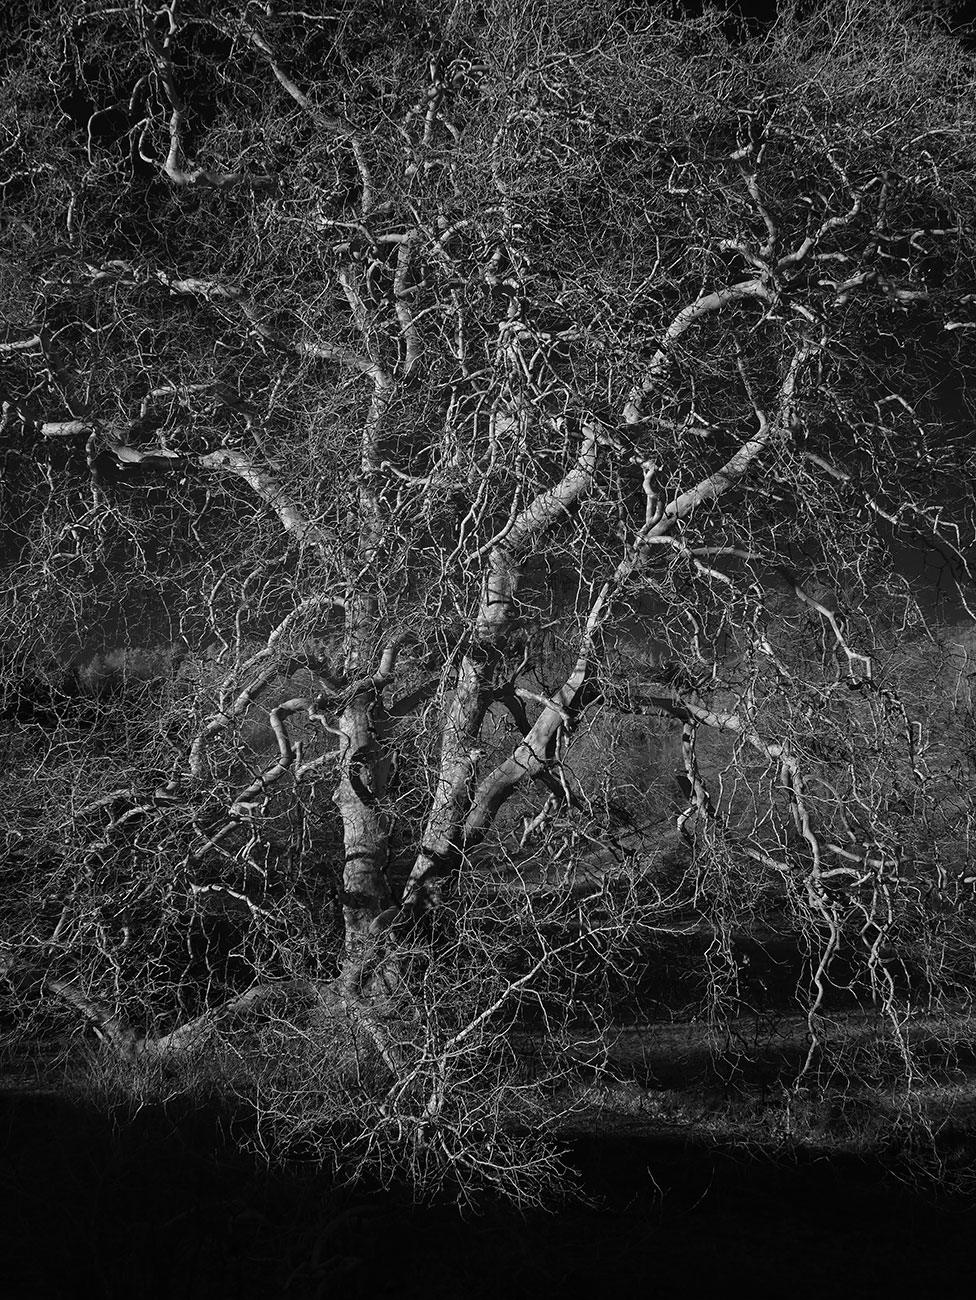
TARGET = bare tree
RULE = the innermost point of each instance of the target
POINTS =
(410, 422)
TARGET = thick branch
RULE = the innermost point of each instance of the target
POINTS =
(683, 321)
(267, 487)
(462, 726)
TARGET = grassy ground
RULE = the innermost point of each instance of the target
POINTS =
(740, 1085)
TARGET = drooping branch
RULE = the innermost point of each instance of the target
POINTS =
(268, 488)
(129, 1045)
(173, 165)
(107, 1024)
(339, 129)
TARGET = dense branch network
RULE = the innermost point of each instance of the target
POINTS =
(458, 408)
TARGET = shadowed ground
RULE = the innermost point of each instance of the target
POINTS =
(160, 1205)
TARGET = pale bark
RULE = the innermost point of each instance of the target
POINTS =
(359, 796)
(265, 484)
(442, 840)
